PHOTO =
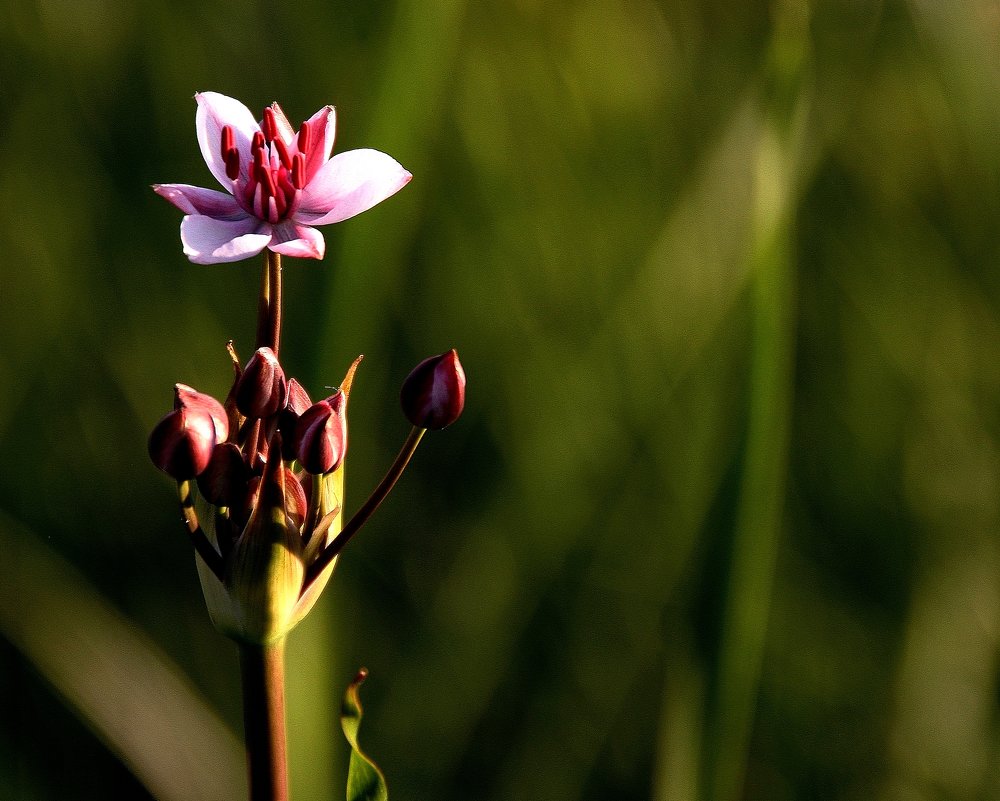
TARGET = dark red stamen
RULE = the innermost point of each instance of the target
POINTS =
(259, 162)
(283, 154)
(274, 177)
(285, 185)
(267, 182)
(305, 137)
(232, 164)
(270, 125)
(228, 140)
(229, 153)
(299, 170)
(281, 202)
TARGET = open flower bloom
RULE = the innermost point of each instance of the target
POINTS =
(279, 183)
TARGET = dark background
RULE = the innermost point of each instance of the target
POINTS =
(720, 518)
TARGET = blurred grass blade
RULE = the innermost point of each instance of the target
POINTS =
(365, 781)
(416, 72)
(119, 683)
(781, 173)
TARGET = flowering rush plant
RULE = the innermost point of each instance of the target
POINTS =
(260, 474)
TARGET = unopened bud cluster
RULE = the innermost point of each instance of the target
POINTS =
(269, 462)
(193, 441)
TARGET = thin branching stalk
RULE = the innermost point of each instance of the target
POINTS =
(369, 507)
(185, 493)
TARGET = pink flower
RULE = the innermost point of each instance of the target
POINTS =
(280, 183)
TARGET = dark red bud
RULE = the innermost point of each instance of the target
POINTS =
(187, 398)
(298, 401)
(224, 480)
(261, 389)
(433, 394)
(321, 435)
(181, 444)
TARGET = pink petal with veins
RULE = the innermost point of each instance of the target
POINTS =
(349, 184)
(195, 200)
(215, 111)
(284, 126)
(210, 241)
(291, 239)
(323, 127)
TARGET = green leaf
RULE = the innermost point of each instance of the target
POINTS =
(365, 781)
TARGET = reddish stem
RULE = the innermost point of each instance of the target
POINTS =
(269, 303)
(185, 492)
(368, 509)
(263, 672)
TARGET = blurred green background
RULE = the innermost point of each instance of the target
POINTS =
(720, 519)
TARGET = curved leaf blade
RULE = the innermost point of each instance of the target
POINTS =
(365, 781)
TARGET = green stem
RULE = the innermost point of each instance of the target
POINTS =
(263, 672)
(269, 303)
(369, 507)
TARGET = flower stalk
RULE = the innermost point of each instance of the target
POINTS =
(205, 550)
(262, 669)
(328, 554)
(269, 304)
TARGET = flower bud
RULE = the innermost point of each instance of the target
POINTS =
(261, 390)
(187, 398)
(321, 435)
(433, 394)
(298, 401)
(181, 444)
(224, 480)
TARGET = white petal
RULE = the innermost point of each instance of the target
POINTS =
(216, 111)
(349, 184)
(290, 239)
(210, 241)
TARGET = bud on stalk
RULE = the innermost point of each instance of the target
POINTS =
(321, 435)
(181, 444)
(433, 394)
(261, 390)
(298, 401)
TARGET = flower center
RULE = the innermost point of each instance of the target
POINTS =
(271, 185)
